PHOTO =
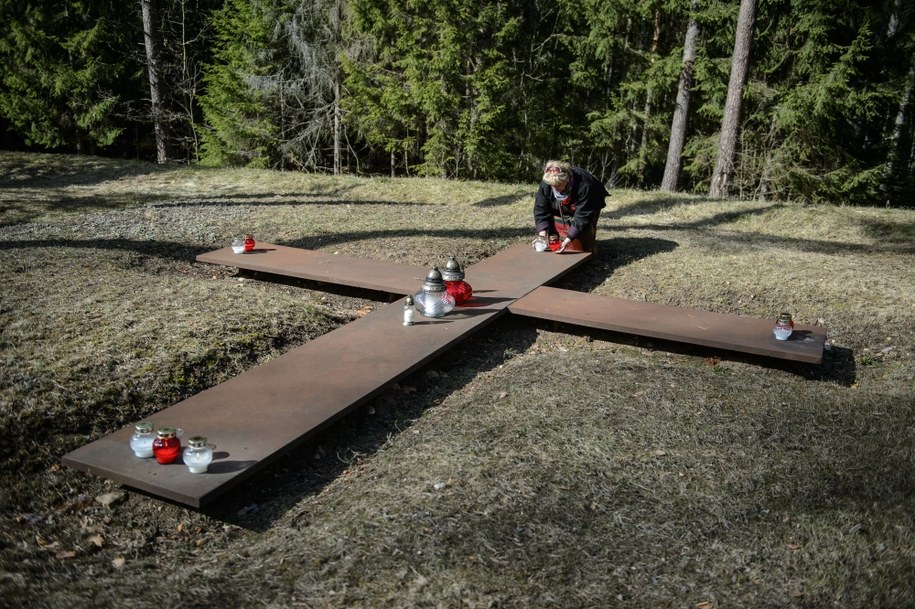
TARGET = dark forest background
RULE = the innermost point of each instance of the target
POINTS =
(786, 99)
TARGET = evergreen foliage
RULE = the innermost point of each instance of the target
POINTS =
(817, 111)
(63, 70)
(487, 90)
(184, 47)
(441, 84)
(240, 130)
(308, 86)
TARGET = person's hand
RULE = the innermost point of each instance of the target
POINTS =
(562, 246)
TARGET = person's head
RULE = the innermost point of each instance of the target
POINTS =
(556, 174)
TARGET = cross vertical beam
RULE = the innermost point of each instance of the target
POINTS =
(257, 416)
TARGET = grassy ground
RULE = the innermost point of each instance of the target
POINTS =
(530, 467)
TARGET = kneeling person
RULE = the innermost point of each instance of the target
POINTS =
(567, 206)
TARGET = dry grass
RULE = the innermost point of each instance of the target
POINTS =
(530, 467)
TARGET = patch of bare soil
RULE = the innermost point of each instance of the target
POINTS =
(532, 466)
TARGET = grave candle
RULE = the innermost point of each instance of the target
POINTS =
(141, 441)
(249, 243)
(453, 276)
(784, 326)
(198, 455)
(434, 300)
(166, 447)
(409, 312)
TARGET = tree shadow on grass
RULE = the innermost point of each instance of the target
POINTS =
(272, 199)
(611, 254)
(65, 202)
(33, 170)
(186, 252)
(499, 201)
(340, 238)
(172, 250)
(650, 206)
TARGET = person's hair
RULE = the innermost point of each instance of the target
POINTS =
(555, 178)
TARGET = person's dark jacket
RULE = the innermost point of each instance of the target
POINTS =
(587, 198)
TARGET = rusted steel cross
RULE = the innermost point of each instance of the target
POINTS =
(259, 415)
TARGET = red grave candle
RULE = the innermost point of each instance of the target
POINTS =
(249, 243)
(459, 289)
(166, 446)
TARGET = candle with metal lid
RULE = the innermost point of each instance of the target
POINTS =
(141, 440)
(166, 446)
(198, 455)
(434, 299)
(453, 275)
(784, 326)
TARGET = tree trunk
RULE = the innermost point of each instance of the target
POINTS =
(740, 63)
(896, 162)
(338, 127)
(681, 110)
(148, 10)
(649, 98)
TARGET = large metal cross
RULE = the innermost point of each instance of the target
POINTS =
(264, 412)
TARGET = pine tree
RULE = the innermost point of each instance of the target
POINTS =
(821, 103)
(63, 72)
(242, 124)
(440, 87)
(180, 29)
(151, 44)
(309, 86)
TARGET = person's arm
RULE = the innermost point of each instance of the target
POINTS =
(590, 200)
(543, 212)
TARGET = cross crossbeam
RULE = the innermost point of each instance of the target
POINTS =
(677, 324)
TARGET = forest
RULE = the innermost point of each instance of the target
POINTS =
(794, 100)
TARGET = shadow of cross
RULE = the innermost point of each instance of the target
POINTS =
(268, 410)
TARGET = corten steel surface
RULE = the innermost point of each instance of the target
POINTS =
(679, 324)
(338, 269)
(256, 416)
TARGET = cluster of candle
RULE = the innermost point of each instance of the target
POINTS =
(243, 244)
(541, 244)
(165, 445)
(440, 293)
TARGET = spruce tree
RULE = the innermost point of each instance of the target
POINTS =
(241, 116)
(64, 72)
(441, 85)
